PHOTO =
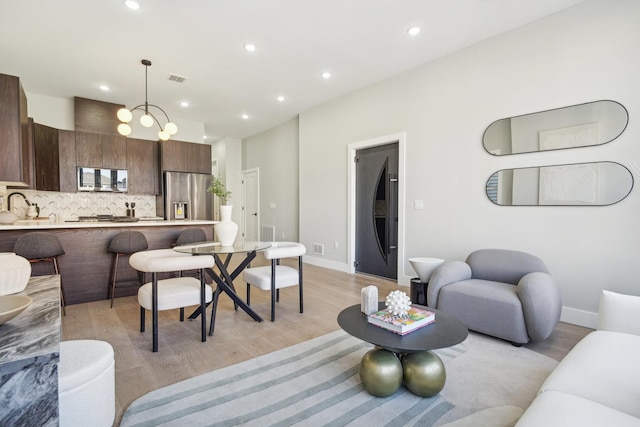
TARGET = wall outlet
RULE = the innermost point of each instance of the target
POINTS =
(283, 235)
(335, 244)
(272, 205)
(418, 204)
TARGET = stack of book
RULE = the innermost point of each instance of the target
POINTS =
(416, 318)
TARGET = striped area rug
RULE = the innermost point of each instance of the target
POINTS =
(316, 383)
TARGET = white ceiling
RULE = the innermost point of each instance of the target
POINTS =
(67, 48)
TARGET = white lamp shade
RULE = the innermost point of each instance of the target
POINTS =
(425, 266)
(163, 135)
(124, 115)
(124, 129)
(171, 128)
(146, 121)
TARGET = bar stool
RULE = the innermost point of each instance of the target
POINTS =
(126, 243)
(40, 246)
(168, 294)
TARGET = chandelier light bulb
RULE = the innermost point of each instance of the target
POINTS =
(124, 115)
(124, 129)
(146, 120)
(163, 135)
(171, 128)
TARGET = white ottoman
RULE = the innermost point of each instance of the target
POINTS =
(86, 383)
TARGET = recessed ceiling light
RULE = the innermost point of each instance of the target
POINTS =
(245, 116)
(204, 136)
(104, 88)
(132, 4)
(326, 75)
(280, 98)
(413, 31)
(250, 47)
(184, 104)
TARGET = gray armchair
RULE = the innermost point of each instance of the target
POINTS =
(503, 293)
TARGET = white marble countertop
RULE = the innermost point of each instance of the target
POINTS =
(45, 224)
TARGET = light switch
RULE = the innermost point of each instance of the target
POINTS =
(418, 204)
(272, 205)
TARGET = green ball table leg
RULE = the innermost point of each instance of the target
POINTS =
(424, 373)
(380, 372)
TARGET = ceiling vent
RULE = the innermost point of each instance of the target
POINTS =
(176, 78)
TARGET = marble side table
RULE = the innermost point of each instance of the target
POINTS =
(29, 354)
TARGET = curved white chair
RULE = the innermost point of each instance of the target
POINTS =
(277, 276)
(169, 294)
(86, 384)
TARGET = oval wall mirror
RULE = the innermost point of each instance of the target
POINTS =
(581, 184)
(582, 125)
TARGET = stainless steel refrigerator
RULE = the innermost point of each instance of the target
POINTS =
(185, 196)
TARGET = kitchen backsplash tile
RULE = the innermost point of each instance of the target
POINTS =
(72, 205)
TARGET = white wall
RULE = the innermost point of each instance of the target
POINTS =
(583, 54)
(275, 152)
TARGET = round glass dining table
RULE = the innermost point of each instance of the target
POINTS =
(224, 278)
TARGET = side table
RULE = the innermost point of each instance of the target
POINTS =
(403, 357)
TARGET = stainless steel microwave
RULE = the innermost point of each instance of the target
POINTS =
(95, 179)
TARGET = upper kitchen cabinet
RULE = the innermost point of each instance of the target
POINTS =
(179, 156)
(46, 158)
(67, 164)
(96, 116)
(15, 138)
(142, 167)
(54, 159)
(101, 151)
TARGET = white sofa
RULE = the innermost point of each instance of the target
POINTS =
(598, 381)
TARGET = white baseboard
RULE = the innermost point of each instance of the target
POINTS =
(333, 265)
(588, 319)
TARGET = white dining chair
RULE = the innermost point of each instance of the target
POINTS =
(276, 276)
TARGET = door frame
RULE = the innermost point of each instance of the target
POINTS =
(244, 199)
(351, 197)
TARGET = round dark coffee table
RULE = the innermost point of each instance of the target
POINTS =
(422, 370)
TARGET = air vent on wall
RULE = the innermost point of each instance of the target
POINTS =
(318, 249)
(176, 78)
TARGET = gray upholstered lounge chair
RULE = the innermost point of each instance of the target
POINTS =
(502, 293)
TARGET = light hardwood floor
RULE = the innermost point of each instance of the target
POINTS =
(237, 337)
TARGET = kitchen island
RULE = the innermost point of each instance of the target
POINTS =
(86, 265)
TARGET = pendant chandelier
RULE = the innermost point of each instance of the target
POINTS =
(147, 119)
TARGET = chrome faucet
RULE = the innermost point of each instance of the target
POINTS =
(19, 194)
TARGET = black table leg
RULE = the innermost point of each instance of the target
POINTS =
(154, 309)
(224, 282)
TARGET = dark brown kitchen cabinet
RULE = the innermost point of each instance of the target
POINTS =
(46, 158)
(101, 151)
(200, 158)
(142, 167)
(16, 159)
(67, 161)
(180, 156)
(54, 159)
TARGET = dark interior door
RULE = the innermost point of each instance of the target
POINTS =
(377, 211)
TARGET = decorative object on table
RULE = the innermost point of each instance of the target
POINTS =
(226, 230)
(398, 303)
(12, 305)
(424, 266)
(147, 119)
(14, 273)
(415, 318)
(369, 299)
